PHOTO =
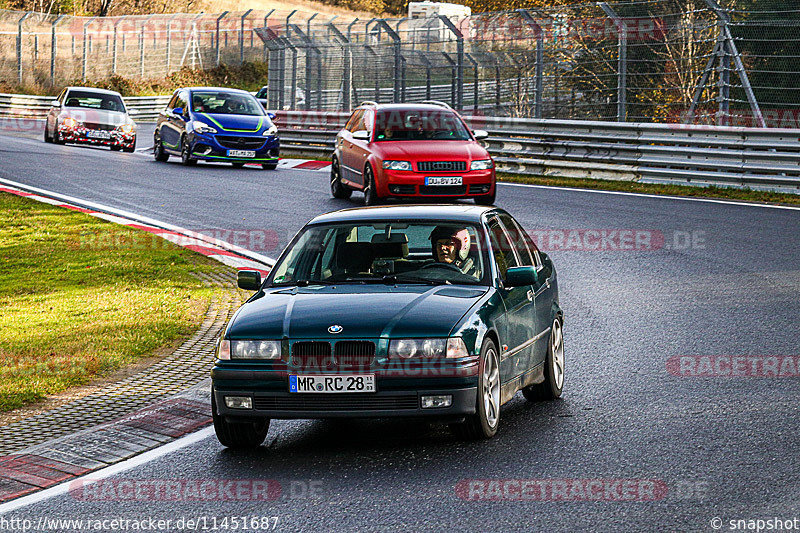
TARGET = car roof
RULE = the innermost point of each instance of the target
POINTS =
(93, 90)
(407, 107)
(437, 212)
(224, 89)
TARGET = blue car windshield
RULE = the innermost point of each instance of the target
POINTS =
(224, 103)
(385, 252)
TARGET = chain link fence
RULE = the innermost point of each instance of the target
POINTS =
(688, 61)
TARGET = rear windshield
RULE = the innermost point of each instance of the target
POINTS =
(92, 100)
(421, 125)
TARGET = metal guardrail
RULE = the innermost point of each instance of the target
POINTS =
(758, 158)
(31, 106)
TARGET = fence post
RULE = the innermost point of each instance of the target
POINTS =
(54, 49)
(428, 66)
(19, 45)
(459, 81)
(241, 35)
(288, 18)
(453, 75)
(83, 62)
(475, 88)
(724, 84)
(347, 74)
(731, 51)
(169, 42)
(141, 46)
(219, 18)
(114, 46)
(266, 20)
(622, 57)
(398, 59)
(539, 80)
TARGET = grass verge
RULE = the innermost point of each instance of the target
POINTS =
(81, 297)
(727, 193)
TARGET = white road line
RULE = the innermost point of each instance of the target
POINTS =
(643, 195)
(128, 464)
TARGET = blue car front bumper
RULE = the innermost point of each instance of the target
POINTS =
(218, 147)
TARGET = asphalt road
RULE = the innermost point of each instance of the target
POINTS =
(716, 280)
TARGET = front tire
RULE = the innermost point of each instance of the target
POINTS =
(370, 194)
(238, 435)
(186, 155)
(158, 151)
(484, 423)
(47, 137)
(553, 384)
(338, 189)
(57, 136)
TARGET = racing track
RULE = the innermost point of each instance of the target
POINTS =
(724, 447)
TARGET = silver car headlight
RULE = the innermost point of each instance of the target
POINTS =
(126, 128)
(202, 127)
(397, 165)
(481, 164)
(254, 349)
(272, 130)
(452, 347)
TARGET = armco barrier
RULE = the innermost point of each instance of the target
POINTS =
(758, 158)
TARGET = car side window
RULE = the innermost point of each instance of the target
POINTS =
(354, 120)
(62, 95)
(173, 103)
(502, 250)
(517, 236)
(183, 102)
(360, 124)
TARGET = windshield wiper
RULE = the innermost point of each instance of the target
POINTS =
(303, 283)
(392, 278)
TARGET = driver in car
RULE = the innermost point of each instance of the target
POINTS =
(450, 245)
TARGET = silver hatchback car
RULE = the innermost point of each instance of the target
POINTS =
(90, 116)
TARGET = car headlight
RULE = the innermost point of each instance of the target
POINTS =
(126, 128)
(397, 165)
(272, 130)
(452, 347)
(256, 349)
(70, 122)
(481, 164)
(202, 127)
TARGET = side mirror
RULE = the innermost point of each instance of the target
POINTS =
(55, 103)
(361, 135)
(521, 276)
(271, 116)
(480, 135)
(178, 112)
(249, 280)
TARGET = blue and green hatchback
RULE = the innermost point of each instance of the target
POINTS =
(216, 124)
(441, 311)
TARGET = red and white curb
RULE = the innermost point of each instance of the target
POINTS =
(304, 164)
(219, 250)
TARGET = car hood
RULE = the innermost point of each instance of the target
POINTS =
(235, 123)
(362, 311)
(430, 150)
(97, 116)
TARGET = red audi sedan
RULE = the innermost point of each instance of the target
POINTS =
(411, 151)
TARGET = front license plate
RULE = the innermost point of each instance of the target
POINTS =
(329, 383)
(241, 153)
(98, 134)
(444, 180)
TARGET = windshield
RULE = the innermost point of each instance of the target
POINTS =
(225, 103)
(386, 252)
(421, 125)
(92, 100)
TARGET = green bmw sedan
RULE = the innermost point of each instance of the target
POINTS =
(442, 311)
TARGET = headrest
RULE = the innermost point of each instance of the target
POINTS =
(354, 256)
(390, 250)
